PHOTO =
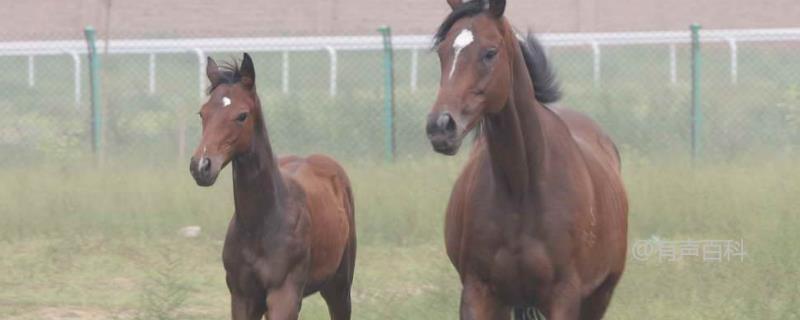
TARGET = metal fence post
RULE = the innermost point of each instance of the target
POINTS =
(334, 63)
(285, 72)
(673, 64)
(596, 62)
(388, 105)
(414, 69)
(151, 75)
(76, 77)
(697, 113)
(94, 84)
(31, 72)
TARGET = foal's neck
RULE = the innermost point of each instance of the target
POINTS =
(515, 135)
(257, 184)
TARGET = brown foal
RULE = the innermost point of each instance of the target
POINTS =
(538, 217)
(293, 229)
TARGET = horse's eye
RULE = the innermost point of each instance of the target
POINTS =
(489, 54)
(241, 117)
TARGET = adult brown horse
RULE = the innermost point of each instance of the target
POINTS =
(293, 230)
(538, 217)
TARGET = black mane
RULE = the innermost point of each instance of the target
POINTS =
(545, 84)
(228, 74)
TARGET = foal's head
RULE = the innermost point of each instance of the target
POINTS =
(475, 52)
(231, 117)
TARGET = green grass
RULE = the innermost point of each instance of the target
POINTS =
(93, 242)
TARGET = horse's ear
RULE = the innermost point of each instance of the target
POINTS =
(212, 71)
(248, 71)
(497, 7)
(455, 3)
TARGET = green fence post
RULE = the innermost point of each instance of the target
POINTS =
(697, 112)
(388, 100)
(94, 82)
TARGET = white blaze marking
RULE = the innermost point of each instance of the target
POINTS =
(463, 40)
(226, 101)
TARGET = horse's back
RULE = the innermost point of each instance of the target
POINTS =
(329, 199)
(610, 207)
(589, 136)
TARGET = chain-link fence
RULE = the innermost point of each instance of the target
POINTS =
(326, 94)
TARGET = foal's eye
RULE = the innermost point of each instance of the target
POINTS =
(489, 54)
(241, 117)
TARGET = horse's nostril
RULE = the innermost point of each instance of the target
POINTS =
(446, 122)
(204, 164)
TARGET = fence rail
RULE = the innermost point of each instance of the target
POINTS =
(202, 46)
(637, 85)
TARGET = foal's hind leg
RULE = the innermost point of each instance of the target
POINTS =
(594, 306)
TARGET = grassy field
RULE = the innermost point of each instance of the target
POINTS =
(103, 244)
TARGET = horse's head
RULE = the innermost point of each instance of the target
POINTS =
(475, 56)
(230, 118)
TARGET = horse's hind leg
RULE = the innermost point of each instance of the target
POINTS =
(338, 302)
(337, 292)
(595, 305)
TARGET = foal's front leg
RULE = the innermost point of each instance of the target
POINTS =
(247, 308)
(283, 303)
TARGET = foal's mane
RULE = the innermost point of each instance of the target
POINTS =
(228, 74)
(545, 83)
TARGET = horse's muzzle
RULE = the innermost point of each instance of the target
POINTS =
(204, 171)
(443, 133)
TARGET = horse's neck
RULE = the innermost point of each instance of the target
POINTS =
(516, 136)
(257, 185)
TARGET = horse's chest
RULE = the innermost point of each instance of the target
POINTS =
(503, 249)
(252, 266)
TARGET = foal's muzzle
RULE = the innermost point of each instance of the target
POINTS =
(443, 133)
(204, 170)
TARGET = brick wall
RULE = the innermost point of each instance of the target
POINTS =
(59, 19)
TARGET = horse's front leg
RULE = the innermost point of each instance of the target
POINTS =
(479, 303)
(247, 308)
(564, 303)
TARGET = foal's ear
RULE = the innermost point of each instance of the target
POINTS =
(212, 72)
(497, 7)
(248, 72)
